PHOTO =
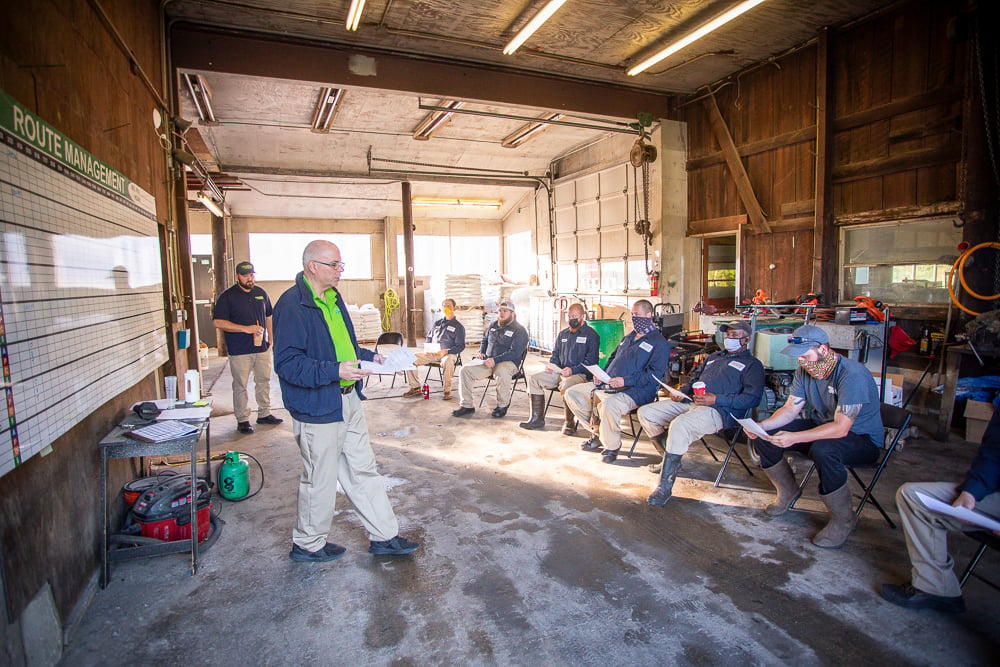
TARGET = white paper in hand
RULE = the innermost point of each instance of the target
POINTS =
(552, 367)
(960, 513)
(400, 359)
(598, 373)
(671, 390)
(753, 427)
(432, 347)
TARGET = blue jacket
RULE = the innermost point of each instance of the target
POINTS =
(637, 361)
(450, 333)
(983, 477)
(576, 350)
(305, 360)
(737, 380)
(507, 343)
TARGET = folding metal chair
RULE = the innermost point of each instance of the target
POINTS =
(437, 365)
(892, 418)
(387, 338)
(518, 376)
(731, 436)
(986, 541)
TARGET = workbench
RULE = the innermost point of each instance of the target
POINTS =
(118, 445)
(954, 354)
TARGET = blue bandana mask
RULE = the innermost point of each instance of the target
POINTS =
(643, 325)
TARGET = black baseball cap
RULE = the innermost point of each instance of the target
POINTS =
(244, 268)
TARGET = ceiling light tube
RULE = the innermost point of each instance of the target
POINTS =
(522, 134)
(210, 204)
(454, 202)
(691, 37)
(201, 95)
(354, 14)
(534, 24)
(430, 125)
(326, 109)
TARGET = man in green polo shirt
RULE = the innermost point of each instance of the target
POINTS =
(316, 357)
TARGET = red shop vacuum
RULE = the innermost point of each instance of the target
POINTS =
(163, 509)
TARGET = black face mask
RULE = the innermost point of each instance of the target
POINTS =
(574, 323)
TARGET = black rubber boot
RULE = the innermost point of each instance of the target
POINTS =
(671, 464)
(569, 428)
(537, 420)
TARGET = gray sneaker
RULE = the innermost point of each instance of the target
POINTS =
(397, 546)
(330, 551)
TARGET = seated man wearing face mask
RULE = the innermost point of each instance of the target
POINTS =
(576, 348)
(845, 429)
(734, 382)
(634, 366)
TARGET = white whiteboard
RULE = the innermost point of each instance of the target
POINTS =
(81, 294)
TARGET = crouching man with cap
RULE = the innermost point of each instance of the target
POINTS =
(846, 429)
(734, 382)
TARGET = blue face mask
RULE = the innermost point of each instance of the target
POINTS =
(643, 325)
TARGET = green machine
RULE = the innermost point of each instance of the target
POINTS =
(611, 333)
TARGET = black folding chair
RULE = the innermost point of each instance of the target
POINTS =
(387, 338)
(518, 376)
(731, 436)
(437, 365)
(893, 418)
(986, 541)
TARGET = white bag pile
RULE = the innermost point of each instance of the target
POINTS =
(367, 322)
(466, 290)
(472, 320)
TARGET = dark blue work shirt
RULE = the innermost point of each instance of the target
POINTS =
(640, 362)
(576, 350)
(507, 343)
(450, 333)
(983, 477)
(737, 380)
(243, 308)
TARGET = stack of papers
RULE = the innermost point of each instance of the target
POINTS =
(401, 359)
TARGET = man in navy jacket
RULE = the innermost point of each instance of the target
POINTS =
(503, 348)
(634, 367)
(316, 358)
(577, 347)
(933, 584)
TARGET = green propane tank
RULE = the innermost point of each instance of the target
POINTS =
(234, 478)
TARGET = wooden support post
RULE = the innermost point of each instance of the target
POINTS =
(411, 334)
(220, 276)
(824, 265)
(743, 186)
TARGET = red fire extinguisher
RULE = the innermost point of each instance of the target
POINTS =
(654, 279)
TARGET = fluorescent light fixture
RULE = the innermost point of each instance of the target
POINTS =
(455, 202)
(430, 125)
(201, 94)
(525, 132)
(326, 109)
(691, 37)
(354, 14)
(210, 204)
(534, 24)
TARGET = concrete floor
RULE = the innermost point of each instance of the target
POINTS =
(533, 552)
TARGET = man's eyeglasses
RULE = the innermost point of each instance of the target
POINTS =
(798, 340)
(336, 266)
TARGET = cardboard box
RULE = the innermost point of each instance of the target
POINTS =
(893, 387)
(977, 418)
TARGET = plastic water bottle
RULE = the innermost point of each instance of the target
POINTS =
(427, 392)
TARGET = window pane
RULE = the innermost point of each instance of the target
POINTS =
(566, 277)
(437, 256)
(637, 278)
(520, 257)
(279, 256)
(589, 276)
(901, 262)
(613, 276)
(475, 254)
(201, 244)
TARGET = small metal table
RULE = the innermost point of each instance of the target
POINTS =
(117, 445)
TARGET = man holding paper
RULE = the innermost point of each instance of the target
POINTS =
(933, 584)
(447, 340)
(504, 345)
(316, 357)
(631, 381)
(845, 429)
(733, 383)
(577, 347)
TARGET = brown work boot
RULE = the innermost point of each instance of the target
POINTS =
(415, 391)
(783, 478)
(842, 518)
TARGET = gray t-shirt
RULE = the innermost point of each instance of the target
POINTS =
(850, 383)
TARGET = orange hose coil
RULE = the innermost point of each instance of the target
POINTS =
(959, 267)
